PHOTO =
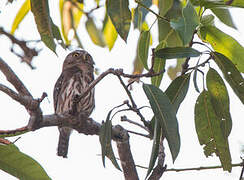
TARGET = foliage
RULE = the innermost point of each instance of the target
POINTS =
(178, 23)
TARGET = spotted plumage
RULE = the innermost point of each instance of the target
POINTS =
(76, 76)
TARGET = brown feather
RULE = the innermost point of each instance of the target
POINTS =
(76, 76)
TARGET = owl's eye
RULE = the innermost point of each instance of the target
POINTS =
(75, 55)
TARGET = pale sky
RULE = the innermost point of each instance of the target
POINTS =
(84, 160)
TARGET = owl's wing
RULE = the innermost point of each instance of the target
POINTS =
(57, 89)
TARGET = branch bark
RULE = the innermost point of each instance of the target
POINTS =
(79, 122)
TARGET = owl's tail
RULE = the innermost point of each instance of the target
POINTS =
(63, 143)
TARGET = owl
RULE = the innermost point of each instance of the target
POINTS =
(77, 74)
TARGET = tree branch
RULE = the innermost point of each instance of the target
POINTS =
(160, 168)
(125, 155)
(29, 53)
(13, 79)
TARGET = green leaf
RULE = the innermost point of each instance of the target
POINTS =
(231, 74)
(155, 147)
(40, 10)
(105, 141)
(207, 20)
(109, 32)
(56, 34)
(165, 114)
(195, 81)
(222, 3)
(165, 6)
(140, 13)
(177, 52)
(235, 3)
(187, 24)
(209, 130)
(177, 90)
(94, 33)
(165, 32)
(120, 15)
(25, 8)
(174, 71)
(220, 100)
(19, 164)
(224, 44)
(159, 65)
(224, 16)
(143, 48)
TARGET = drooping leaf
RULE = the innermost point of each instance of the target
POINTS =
(140, 13)
(143, 48)
(186, 25)
(40, 10)
(195, 81)
(25, 8)
(105, 141)
(224, 44)
(70, 17)
(165, 113)
(231, 74)
(159, 65)
(19, 164)
(94, 33)
(220, 100)
(222, 3)
(209, 130)
(109, 32)
(165, 6)
(177, 52)
(224, 16)
(177, 90)
(56, 34)
(155, 147)
(120, 15)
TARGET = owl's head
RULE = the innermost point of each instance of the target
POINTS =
(78, 58)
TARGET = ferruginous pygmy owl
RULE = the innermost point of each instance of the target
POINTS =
(76, 76)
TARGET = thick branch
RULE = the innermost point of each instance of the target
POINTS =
(125, 155)
(13, 79)
(26, 101)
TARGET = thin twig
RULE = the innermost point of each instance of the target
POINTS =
(29, 53)
(124, 118)
(140, 134)
(161, 17)
(203, 168)
(195, 168)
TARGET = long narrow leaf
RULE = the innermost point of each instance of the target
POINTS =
(209, 131)
(165, 114)
(19, 164)
(155, 147)
(120, 15)
(219, 99)
(25, 8)
(40, 10)
(177, 90)
(177, 52)
(224, 44)
(143, 47)
(231, 74)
